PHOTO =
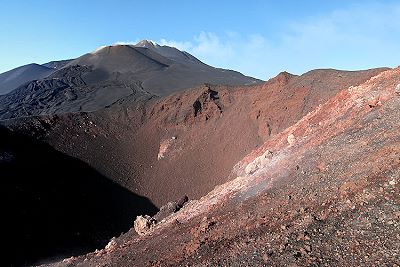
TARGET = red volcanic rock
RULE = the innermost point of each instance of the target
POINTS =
(322, 116)
(131, 143)
(288, 211)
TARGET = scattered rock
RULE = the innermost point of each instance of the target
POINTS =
(374, 103)
(143, 224)
(397, 89)
(303, 236)
(209, 103)
(205, 224)
(291, 139)
(164, 145)
(181, 202)
(170, 208)
(69, 260)
(111, 245)
(258, 162)
(265, 258)
(321, 166)
(165, 211)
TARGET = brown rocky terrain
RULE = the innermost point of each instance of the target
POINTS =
(320, 189)
(186, 144)
(205, 122)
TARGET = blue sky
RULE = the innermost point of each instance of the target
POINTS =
(258, 38)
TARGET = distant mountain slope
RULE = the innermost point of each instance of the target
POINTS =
(161, 69)
(57, 64)
(14, 78)
(109, 74)
(65, 91)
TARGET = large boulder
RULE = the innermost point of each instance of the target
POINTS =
(143, 224)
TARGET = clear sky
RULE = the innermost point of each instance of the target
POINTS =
(258, 38)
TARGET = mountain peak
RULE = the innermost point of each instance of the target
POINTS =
(146, 43)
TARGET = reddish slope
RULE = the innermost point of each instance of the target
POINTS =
(123, 142)
(328, 195)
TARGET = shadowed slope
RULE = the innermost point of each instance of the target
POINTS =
(57, 205)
